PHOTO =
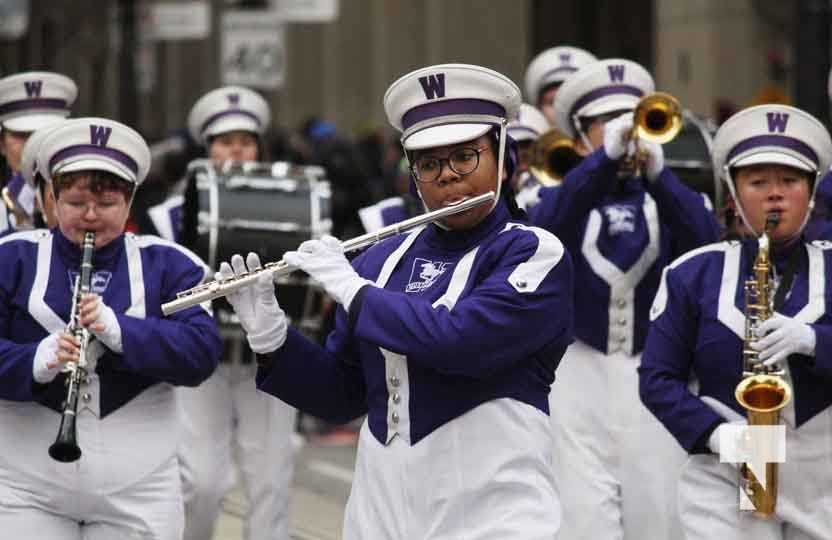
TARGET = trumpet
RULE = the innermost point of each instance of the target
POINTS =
(657, 118)
(224, 287)
(763, 391)
(65, 448)
(553, 155)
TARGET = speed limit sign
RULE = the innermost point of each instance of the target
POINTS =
(253, 49)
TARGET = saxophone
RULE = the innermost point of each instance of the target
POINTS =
(763, 391)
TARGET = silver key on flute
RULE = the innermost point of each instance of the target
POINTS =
(224, 287)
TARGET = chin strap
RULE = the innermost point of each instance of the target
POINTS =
(501, 154)
(576, 122)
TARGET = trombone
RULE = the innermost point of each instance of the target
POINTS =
(657, 118)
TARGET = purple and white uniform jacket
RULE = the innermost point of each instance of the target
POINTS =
(621, 234)
(167, 217)
(694, 348)
(456, 319)
(134, 275)
(385, 212)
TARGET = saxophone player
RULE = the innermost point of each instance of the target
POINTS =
(126, 483)
(771, 158)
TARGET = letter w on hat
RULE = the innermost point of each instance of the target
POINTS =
(777, 122)
(99, 135)
(433, 85)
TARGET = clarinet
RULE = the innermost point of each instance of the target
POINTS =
(65, 448)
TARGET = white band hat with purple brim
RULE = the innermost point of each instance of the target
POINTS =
(528, 124)
(552, 66)
(29, 166)
(226, 109)
(776, 135)
(449, 104)
(599, 88)
(94, 144)
(35, 99)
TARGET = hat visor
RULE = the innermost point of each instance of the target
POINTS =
(32, 122)
(444, 135)
(231, 123)
(774, 158)
(619, 102)
(522, 134)
(96, 165)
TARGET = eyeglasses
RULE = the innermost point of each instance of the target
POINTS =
(462, 161)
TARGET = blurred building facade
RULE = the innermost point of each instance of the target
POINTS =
(707, 52)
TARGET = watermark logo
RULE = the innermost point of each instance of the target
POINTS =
(755, 446)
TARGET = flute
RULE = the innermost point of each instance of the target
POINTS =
(224, 287)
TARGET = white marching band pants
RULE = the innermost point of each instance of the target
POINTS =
(615, 465)
(224, 410)
(708, 492)
(150, 509)
(485, 475)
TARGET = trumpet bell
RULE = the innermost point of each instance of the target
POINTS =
(658, 118)
(553, 155)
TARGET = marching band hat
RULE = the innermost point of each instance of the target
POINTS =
(29, 154)
(31, 100)
(777, 134)
(554, 66)
(448, 104)
(98, 144)
(230, 108)
(528, 124)
(598, 88)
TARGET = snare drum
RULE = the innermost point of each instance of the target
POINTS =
(689, 156)
(267, 208)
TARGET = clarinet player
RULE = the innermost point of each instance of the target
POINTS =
(126, 481)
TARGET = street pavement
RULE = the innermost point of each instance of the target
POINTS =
(321, 484)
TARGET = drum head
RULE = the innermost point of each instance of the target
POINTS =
(689, 156)
(266, 208)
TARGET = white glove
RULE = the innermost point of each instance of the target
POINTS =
(654, 163)
(732, 418)
(617, 135)
(256, 306)
(783, 336)
(325, 262)
(46, 366)
(713, 440)
(102, 322)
